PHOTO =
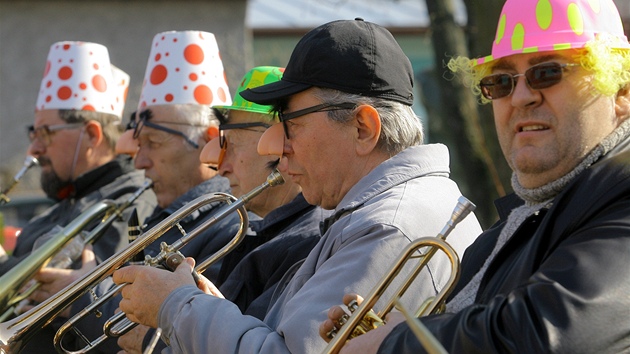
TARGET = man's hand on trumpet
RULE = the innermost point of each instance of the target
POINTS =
(53, 280)
(148, 287)
(132, 341)
(367, 343)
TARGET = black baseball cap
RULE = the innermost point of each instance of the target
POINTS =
(352, 56)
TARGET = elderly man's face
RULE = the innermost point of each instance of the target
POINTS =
(320, 155)
(167, 159)
(546, 133)
(241, 164)
(56, 150)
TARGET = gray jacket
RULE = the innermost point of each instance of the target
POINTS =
(404, 198)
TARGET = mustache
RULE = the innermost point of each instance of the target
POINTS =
(273, 164)
(43, 161)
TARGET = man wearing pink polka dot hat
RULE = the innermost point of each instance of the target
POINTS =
(552, 275)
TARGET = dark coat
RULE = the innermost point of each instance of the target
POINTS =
(561, 284)
(199, 248)
(283, 238)
(116, 180)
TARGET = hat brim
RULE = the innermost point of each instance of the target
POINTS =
(271, 93)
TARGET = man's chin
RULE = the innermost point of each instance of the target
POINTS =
(51, 184)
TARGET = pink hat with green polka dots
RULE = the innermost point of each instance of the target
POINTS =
(78, 75)
(184, 68)
(528, 26)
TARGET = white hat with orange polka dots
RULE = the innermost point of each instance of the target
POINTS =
(121, 84)
(78, 75)
(184, 67)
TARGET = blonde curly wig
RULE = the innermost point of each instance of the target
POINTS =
(610, 67)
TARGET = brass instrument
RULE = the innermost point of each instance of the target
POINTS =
(363, 319)
(29, 162)
(422, 333)
(15, 333)
(107, 211)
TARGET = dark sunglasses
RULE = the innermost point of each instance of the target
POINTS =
(538, 77)
(324, 107)
(138, 124)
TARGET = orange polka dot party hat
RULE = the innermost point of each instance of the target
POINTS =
(78, 75)
(184, 67)
(121, 85)
(528, 26)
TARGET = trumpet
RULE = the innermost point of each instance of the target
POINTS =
(29, 162)
(364, 319)
(15, 279)
(15, 333)
(169, 257)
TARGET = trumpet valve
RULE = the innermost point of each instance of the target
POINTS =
(369, 322)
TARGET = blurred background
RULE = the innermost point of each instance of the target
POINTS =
(252, 33)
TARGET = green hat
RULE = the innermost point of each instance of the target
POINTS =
(258, 76)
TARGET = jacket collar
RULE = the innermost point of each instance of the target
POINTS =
(97, 178)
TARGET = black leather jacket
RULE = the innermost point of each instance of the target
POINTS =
(561, 284)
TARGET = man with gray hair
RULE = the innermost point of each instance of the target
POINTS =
(74, 134)
(167, 135)
(349, 138)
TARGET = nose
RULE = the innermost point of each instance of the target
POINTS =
(523, 95)
(272, 141)
(126, 144)
(141, 160)
(283, 164)
(36, 148)
(212, 154)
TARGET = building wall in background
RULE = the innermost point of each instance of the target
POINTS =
(126, 28)
(28, 28)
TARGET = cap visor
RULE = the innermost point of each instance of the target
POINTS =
(271, 93)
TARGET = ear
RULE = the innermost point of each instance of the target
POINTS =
(94, 132)
(622, 103)
(368, 127)
(212, 132)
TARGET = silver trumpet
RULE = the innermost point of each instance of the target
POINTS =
(107, 211)
(118, 324)
(29, 162)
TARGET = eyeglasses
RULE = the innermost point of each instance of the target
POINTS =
(44, 132)
(537, 77)
(138, 124)
(245, 126)
(324, 107)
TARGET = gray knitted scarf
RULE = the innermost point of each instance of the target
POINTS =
(535, 200)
